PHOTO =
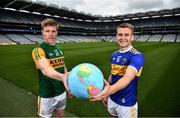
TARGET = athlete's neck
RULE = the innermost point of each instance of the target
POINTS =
(125, 49)
(50, 43)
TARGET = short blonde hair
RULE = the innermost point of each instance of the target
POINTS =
(126, 25)
(50, 22)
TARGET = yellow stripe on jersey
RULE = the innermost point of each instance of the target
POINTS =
(121, 70)
(139, 73)
(37, 54)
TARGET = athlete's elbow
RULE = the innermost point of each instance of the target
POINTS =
(46, 72)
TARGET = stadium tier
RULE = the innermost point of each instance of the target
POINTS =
(143, 38)
(169, 38)
(178, 38)
(155, 38)
(20, 24)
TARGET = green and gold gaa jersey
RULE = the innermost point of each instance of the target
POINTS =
(49, 87)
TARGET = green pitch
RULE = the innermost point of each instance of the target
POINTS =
(158, 88)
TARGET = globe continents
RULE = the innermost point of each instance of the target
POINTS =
(85, 80)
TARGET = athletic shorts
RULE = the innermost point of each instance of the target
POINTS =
(46, 106)
(122, 111)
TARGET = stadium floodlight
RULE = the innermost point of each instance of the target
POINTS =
(56, 16)
(47, 14)
(177, 14)
(88, 20)
(24, 11)
(36, 13)
(117, 20)
(10, 9)
(79, 20)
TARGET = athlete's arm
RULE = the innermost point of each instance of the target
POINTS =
(50, 72)
(124, 81)
(65, 69)
(120, 84)
(110, 78)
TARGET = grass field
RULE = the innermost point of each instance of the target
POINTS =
(158, 89)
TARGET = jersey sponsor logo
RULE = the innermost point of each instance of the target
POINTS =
(121, 70)
(118, 69)
(57, 62)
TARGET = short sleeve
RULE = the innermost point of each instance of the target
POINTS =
(137, 61)
(37, 54)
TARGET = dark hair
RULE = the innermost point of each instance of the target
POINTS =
(50, 22)
(126, 25)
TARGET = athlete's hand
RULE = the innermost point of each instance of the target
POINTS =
(104, 94)
(70, 95)
(105, 102)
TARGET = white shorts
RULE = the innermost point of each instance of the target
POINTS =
(122, 111)
(46, 106)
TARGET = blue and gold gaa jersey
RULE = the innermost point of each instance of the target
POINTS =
(119, 63)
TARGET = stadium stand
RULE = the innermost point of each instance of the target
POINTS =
(20, 24)
(136, 37)
(169, 38)
(178, 38)
(5, 41)
(33, 38)
(155, 38)
(143, 38)
(19, 39)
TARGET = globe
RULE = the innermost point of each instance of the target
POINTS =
(85, 81)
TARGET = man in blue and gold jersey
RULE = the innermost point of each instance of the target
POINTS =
(49, 60)
(126, 67)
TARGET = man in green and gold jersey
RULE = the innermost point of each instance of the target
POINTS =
(49, 60)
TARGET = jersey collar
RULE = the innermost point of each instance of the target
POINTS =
(123, 51)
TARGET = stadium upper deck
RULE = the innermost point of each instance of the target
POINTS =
(24, 16)
(63, 12)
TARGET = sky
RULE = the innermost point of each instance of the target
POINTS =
(114, 7)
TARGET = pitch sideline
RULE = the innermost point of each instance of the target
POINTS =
(17, 102)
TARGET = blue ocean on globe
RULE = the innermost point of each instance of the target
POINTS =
(85, 80)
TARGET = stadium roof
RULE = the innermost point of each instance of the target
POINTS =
(54, 10)
(43, 8)
(149, 14)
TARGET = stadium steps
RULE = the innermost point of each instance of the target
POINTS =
(149, 38)
(138, 36)
(176, 38)
(12, 40)
(161, 38)
(30, 40)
